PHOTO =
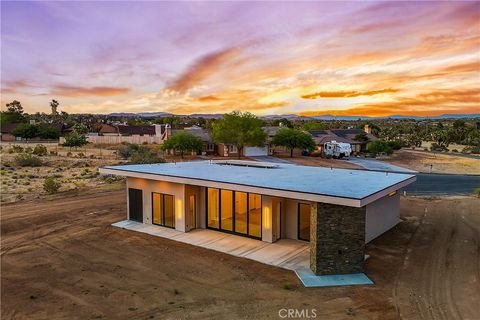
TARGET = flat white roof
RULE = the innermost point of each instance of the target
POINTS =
(319, 181)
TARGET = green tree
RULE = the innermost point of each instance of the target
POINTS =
(313, 125)
(239, 129)
(379, 146)
(25, 130)
(14, 113)
(80, 128)
(294, 139)
(283, 121)
(74, 139)
(183, 141)
(46, 131)
(54, 106)
(362, 137)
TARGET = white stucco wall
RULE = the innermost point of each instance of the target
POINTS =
(381, 216)
(149, 186)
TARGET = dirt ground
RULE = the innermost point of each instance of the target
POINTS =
(421, 161)
(61, 259)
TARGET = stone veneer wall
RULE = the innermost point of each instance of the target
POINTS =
(337, 239)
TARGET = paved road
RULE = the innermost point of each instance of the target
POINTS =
(378, 165)
(426, 184)
(443, 184)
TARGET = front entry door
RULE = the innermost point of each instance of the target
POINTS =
(135, 204)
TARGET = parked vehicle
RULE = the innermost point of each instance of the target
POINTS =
(337, 149)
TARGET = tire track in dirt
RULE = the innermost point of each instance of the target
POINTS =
(436, 273)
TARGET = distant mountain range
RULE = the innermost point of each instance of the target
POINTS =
(297, 117)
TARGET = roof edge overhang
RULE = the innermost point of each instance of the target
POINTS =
(343, 201)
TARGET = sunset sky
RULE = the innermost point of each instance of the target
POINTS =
(309, 58)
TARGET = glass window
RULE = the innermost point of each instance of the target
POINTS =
(304, 221)
(213, 208)
(193, 212)
(241, 212)
(168, 211)
(157, 208)
(255, 215)
(163, 212)
(226, 210)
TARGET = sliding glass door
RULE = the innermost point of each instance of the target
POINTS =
(163, 212)
(234, 212)
(226, 203)
(213, 208)
(255, 215)
(241, 212)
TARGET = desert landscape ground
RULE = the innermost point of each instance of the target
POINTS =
(61, 259)
(440, 163)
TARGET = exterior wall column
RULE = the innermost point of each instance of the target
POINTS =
(337, 239)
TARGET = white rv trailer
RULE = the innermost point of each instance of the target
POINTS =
(337, 149)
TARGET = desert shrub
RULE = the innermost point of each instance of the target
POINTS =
(28, 150)
(471, 149)
(379, 146)
(146, 157)
(438, 147)
(57, 175)
(2, 172)
(69, 154)
(477, 192)
(31, 176)
(75, 140)
(81, 155)
(395, 145)
(15, 149)
(51, 185)
(40, 150)
(455, 150)
(26, 183)
(27, 160)
(128, 150)
(53, 153)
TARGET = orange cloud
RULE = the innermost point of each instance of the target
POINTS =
(203, 68)
(451, 101)
(73, 91)
(466, 67)
(346, 94)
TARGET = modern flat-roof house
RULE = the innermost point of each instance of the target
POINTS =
(332, 211)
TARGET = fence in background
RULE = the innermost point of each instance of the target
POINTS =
(121, 139)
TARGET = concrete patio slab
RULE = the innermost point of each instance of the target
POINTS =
(310, 280)
(288, 254)
(285, 253)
